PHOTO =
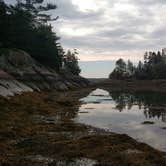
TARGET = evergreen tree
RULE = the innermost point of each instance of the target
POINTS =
(71, 62)
(154, 67)
(120, 70)
(4, 24)
(121, 65)
(25, 26)
(130, 68)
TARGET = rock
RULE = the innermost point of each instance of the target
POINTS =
(147, 122)
(12, 87)
(19, 73)
(74, 162)
(40, 158)
(131, 151)
(61, 86)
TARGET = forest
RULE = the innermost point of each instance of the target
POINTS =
(153, 67)
(26, 25)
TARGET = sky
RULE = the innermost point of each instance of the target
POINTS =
(96, 69)
(105, 30)
(111, 29)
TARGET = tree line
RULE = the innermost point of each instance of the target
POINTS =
(27, 26)
(153, 67)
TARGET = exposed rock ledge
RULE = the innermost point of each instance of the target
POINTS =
(20, 73)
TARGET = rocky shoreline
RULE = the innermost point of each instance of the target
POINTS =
(20, 73)
(39, 128)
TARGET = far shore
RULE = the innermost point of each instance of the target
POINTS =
(131, 85)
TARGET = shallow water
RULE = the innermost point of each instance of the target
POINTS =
(126, 113)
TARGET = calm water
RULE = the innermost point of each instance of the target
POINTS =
(125, 113)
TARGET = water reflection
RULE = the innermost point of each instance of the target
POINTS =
(153, 104)
(126, 113)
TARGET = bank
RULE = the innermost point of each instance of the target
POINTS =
(132, 85)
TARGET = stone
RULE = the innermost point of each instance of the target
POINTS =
(19, 73)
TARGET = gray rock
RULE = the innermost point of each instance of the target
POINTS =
(19, 73)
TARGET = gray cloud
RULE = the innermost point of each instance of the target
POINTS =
(115, 27)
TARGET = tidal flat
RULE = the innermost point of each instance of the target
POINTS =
(41, 129)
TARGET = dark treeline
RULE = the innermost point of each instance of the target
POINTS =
(153, 67)
(26, 25)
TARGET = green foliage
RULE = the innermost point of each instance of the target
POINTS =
(154, 67)
(123, 70)
(121, 65)
(71, 62)
(44, 48)
(25, 26)
(140, 72)
(130, 68)
(4, 51)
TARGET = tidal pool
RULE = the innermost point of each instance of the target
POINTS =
(140, 115)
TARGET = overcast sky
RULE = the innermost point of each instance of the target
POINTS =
(110, 29)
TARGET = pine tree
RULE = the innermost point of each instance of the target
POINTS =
(26, 26)
(71, 62)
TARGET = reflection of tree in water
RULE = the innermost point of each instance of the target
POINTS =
(153, 103)
(156, 112)
(125, 100)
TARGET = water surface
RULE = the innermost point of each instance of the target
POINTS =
(128, 113)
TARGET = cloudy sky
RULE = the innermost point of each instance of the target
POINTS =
(110, 29)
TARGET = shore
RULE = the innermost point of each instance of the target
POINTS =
(41, 129)
(132, 85)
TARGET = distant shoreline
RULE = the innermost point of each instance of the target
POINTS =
(131, 85)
